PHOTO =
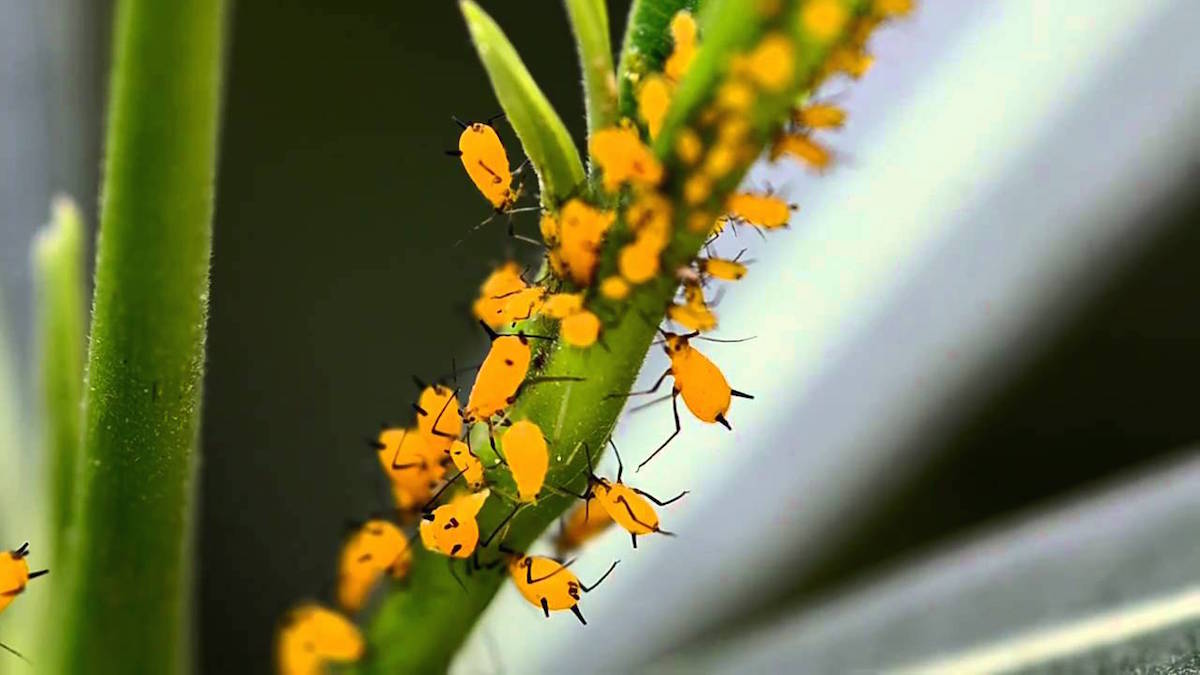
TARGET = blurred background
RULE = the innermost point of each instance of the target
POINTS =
(988, 308)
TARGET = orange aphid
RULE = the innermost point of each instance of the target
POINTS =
(378, 548)
(468, 464)
(653, 99)
(486, 162)
(803, 148)
(823, 19)
(438, 418)
(562, 305)
(683, 34)
(770, 65)
(528, 458)
(499, 377)
(649, 217)
(547, 583)
(522, 304)
(851, 61)
(494, 293)
(719, 268)
(312, 636)
(694, 314)
(581, 232)
(819, 116)
(688, 146)
(581, 526)
(623, 158)
(581, 329)
(629, 507)
(722, 159)
(451, 529)
(412, 464)
(765, 211)
(696, 189)
(638, 261)
(15, 574)
(893, 8)
(614, 288)
(735, 96)
(703, 387)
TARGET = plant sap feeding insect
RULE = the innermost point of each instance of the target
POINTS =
(629, 507)
(547, 583)
(528, 458)
(377, 548)
(313, 636)
(486, 162)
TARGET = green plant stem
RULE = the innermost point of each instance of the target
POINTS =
(647, 45)
(59, 265)
(420, 627)
(129, 603)
(589, 22)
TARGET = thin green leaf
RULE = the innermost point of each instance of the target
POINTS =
(128, 604)
(589, 22)
(58, 256)
(543, 135)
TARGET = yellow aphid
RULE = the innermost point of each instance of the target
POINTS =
(733, 130)
(313, 636)
(765, 211)
(614, 288)
(494, 293)
(412, 466)
(468, 464)
(694, 317)
(522, 304)
(528, 458)
(701, 221)
(438, 418)
(15, 574)
(549, 229)
(819, 116)
(378, 548)
(581, 329)
(803, 148)
(688, 146)
(722, 159)
(851, 61)
(486, 162)
(451, 529)
(697, 189)
(683, 35)
(823, 19)
(653, 99)
(581, 526)
(718, 268)
(893, 8)
(502, 372)
(770, 65)
(629, 507)
(649, 217)
(548, 584)
(638, 261)
(735, 96)
(623, 158)
(562, 305)
(582, 229)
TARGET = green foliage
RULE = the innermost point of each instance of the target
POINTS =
(589, 21)
(421, 625)
(126, 606)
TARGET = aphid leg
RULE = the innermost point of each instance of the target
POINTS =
(652, 402)
(617, 454)
(453, 573)
(633, 516)
(436, 495)
(588, 589)
(654, 499)
(512, 232)
(662, 378)
(678, 426)
(436, 431)
(578, 614)
(562, 566)
(14, 652)
(490, 537)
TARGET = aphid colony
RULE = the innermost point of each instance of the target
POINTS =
(437, 477)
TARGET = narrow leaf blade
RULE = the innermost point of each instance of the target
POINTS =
(589, 22)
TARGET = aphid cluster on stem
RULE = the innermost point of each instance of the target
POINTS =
(660, 186)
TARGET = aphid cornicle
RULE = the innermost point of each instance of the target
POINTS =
(547, 583)
(628, 506)
(486, 162)
(15, 574)
(705, 391)
(312, 636)
(375, 549)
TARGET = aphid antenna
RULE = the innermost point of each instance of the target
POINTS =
(375, 444)
(15, 653)
(461, 124)
(493, 118)
(710, 339)
(454, 573)
(433, 500)
(22, 551)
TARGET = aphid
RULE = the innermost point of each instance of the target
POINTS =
(378, 548)
(412, 466)
(468, 464)
(852, 61)
(697, 189)
(683, 36)
(638, 261)
(770, 65)
(522, 304)
(802, 147)
(720, 268)
(494, 293)
(311, 636)
(438, 418)
(451, 529)
(765, 211)
(819, 116)
(582, 525)
(629, 507)
(614, 288)
(694, 314)
(705, 391)
(547, 583)
(581, 329)
(579, 230)
(15, 574)
(528, 457)
(688, 146)
(824, 19)
(486, 162)
(623, 158)
(562, 305)
(502, 376)
(653, 99)
(649, 217)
